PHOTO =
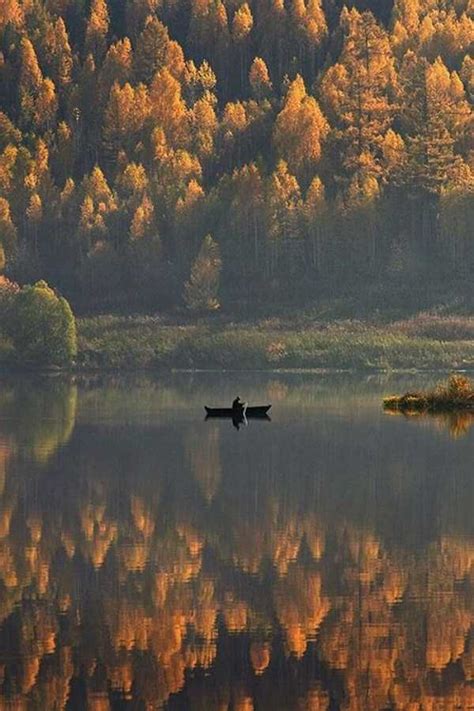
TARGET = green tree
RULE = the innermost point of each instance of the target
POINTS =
(200, 292)
(43, 326)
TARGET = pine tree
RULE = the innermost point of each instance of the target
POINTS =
(201, 291)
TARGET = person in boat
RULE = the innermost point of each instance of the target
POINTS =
(239, 406)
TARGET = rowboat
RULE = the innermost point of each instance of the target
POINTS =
(256, 411)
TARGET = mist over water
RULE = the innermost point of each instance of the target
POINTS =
(150, 559)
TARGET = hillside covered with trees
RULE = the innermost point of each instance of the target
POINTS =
(155, 153)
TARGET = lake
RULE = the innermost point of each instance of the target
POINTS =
(150, 559)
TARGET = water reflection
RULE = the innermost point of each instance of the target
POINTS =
(457, 424)
(149, 559)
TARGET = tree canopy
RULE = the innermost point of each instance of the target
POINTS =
(128, 134)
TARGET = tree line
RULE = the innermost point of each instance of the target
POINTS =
(154, 154)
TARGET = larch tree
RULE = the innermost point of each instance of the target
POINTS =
(11, 11)
(57, 53)
(30, 79)
(198, 80)
(168, 109)
(97, 29)
(300, 129)
(436, 117)
(201, 291)
(204, 125)
(46, 106)
(356, 94)
(125, 116)
(259, 79)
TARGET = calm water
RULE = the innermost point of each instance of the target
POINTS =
(150, 559)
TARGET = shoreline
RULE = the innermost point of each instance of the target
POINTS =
(120, 344)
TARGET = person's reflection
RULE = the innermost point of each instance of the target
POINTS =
(239, 420)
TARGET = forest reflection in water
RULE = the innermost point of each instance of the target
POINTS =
(150, 559)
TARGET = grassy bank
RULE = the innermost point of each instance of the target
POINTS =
(424, 342)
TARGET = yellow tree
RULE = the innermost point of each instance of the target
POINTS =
(198, 80)
(97, 206)
(56, 53)
(97, 29)
(356, 95)
(168, 109)
(30, 79)
(127, 111)
(46, 105)
(9, 134)
(300, 129)
(259, 79)
(204, 125)
(11, 11)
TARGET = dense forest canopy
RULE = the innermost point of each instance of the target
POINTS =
(314, 144)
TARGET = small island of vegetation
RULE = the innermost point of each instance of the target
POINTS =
(457, 395)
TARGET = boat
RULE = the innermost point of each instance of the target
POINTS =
(255, 411)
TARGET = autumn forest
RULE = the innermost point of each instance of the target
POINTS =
(157, 153)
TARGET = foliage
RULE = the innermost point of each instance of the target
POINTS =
(320, 146)
(42, 326)
(200, 292)
(457, 394)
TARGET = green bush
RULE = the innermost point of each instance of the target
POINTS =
(42, 326)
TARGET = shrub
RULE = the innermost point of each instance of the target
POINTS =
(42, 326)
